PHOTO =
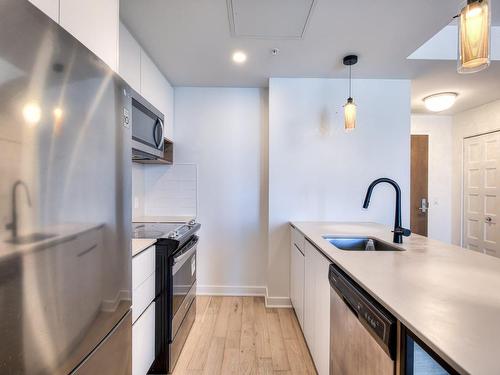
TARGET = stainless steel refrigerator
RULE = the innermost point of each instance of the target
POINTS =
(65, 211)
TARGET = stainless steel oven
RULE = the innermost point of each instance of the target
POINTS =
(175, 302)
(183, 283)
(147, 130)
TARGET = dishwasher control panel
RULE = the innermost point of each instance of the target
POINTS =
(374, 317)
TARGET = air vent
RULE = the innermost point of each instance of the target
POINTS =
(269, 19)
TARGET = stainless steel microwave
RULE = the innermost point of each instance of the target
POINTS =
(147, 130)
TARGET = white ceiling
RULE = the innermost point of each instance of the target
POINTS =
(192, 42)
(439, 76)
(291, 23)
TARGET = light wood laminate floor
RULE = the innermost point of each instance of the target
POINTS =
(239, 335)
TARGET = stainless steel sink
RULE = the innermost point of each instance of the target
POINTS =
(30, 238)
(360, 244)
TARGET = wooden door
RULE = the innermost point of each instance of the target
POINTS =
(419, 197)
(481, 193)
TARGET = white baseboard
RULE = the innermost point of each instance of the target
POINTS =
(111, 305)
(227, 290)
(259, 291)
(278, 302)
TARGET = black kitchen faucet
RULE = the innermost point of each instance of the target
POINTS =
(399, 231)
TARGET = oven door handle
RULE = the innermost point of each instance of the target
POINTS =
(180, 259)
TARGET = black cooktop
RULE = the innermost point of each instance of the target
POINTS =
(155, 230)
(173, 235)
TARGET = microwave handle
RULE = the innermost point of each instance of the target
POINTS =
(154, 133)
(158, 141)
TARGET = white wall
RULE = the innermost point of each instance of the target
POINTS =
(439, 129)
(138, 190)
(319, 172)
(483, 119)
(224, 131)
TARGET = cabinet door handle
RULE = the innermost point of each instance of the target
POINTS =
(298, 248)
(87, 251)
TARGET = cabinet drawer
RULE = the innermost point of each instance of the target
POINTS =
(143, 266)
(298, 239)
(143, 342)
(142, 296)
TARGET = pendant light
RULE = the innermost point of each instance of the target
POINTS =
(350, 107)
(474, 36)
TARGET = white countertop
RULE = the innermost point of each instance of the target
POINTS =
(58, 234)
(162, 219)
(446, 295)
(141, 244)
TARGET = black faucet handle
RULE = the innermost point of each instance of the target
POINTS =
(403, 231)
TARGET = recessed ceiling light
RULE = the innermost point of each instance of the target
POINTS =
(239, 57)
(440, 102)
(32, 113)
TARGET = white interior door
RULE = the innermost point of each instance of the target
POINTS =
(481, 230)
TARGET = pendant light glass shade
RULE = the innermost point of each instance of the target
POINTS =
(349, 115)
(474, 36)
(350, 107)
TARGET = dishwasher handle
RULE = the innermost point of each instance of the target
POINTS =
(380, 323)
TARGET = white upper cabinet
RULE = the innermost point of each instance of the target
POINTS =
(49, 7)
(139, 70)
(129, 65)
(95, 23)
(157, 90)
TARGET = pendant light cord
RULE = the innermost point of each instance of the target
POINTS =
(350, 80)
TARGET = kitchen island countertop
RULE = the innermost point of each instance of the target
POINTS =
(446, 295)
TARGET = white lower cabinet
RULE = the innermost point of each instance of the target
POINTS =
(143, 341)
(297, 282)
(309, 281)
(143, 310)
(317, 307)
(322, 314)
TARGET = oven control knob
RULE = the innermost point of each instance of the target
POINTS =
(172, 234)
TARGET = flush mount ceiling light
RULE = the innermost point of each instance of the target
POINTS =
(440, 102)
(239, 57)
(474, 36)
(350, 107)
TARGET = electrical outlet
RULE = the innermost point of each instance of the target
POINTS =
(136, 202)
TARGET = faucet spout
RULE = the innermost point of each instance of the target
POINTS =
(399, 231)
(13, 226)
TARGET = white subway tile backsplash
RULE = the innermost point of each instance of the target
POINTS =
(170, 190)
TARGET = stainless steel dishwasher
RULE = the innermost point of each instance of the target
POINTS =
(362, 332)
